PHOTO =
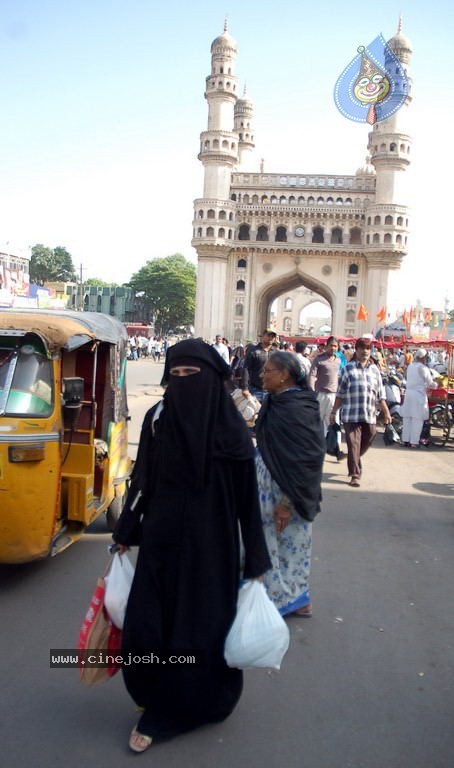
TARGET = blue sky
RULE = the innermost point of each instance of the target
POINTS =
(102, 107)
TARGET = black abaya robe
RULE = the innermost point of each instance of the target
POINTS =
(183, 598)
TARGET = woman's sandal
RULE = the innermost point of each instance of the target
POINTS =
(354, 482)
(304, 613)
(139, 742)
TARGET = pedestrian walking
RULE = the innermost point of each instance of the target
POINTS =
(222, 349)
(360, 393)
(324, 380)
(193, 482)
(415, 410)
(256, 358)
(289, 460)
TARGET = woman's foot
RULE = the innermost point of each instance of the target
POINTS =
(354, 482)
(305, 613)
(139, 742)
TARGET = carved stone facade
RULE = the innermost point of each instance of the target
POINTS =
(259, 235)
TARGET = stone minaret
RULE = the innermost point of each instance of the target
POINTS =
(214, 213)
(244, 115)
(386, 228)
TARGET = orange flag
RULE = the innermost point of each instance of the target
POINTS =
(363, 314)
(381, 315)
(405, 318)
(428, 316)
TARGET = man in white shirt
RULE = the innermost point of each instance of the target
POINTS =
(221, 348)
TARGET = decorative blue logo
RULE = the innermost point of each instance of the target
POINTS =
(373, 86)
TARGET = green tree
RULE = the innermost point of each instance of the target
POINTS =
(168, 287)
(51, 265)
(98, 281)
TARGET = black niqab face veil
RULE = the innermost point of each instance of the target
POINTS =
(199, 422)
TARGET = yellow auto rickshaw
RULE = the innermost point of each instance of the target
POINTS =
(63, 428)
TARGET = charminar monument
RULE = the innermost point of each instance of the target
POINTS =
(262, 235)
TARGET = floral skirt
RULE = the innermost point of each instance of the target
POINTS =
(287, 583)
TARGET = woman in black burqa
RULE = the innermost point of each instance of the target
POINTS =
(193, 480)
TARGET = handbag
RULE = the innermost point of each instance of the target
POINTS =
(98, 637)
(247, 406)
(390, 435)
(259, 636)
(332, 445)
(119, 581)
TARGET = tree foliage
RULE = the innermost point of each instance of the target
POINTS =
(98, 282)
(51, 265)
(168, 287)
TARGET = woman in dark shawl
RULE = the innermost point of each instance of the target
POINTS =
(193, 480)
(290, 453)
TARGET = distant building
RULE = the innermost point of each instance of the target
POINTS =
(14, 277)
(115, 300)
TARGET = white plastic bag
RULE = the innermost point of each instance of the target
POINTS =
(118, 586)
(259, 636)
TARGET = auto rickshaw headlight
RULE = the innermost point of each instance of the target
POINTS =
(31, 452)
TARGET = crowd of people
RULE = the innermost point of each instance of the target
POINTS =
(251, 489)
(142, 346)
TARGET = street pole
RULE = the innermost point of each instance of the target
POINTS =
(81, 303)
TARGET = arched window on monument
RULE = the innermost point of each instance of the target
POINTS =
(318, 235)
(388, 238)
(377, 220)
(222, 215)
(400, 221)
(352, 291)
(210, 232)
(350, 316)
(239, 310)
(281, 235)
(355, 236)
(262, 233)
(353, 269)
(200, 214)
(211, 214)
(244, 232)
(242, 264)
(287, 324)
(388, 219)
(221, 232)
(288, 305)
(336, 236)
(376, 238)
(240, 285)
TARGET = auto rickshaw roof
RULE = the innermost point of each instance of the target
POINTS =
(63, 329)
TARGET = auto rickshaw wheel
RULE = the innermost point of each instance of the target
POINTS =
(113, 512)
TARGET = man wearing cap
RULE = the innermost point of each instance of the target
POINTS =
(415, 409)
(221, 348)
(360, 391)
(254, 364)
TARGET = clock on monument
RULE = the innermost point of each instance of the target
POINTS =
(299, 231)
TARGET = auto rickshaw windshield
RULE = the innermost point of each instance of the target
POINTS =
(26, 387)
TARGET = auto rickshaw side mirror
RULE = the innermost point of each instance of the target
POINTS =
(73, 392)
